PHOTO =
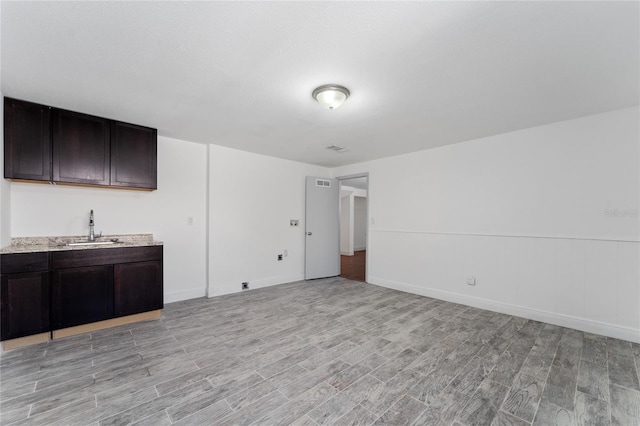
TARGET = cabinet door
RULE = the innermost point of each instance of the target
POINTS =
(80, 148)
(133, 156)
(81, 295)
(27, 140)
(24, 300)
(137, 287)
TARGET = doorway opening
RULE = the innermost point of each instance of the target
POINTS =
(354, 204)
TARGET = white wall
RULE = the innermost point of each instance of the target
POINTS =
(5, 189)
(346, 223)
(47, 210)
(252, 198)
(350, 231)
(359, 223)
(545, 218)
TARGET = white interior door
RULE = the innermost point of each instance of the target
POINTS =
(322, 233)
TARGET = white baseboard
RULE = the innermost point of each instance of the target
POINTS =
(267, 282)
(346, 253)
(562, 320)
(177, 296)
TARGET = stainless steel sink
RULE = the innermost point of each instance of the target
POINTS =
(92, 243)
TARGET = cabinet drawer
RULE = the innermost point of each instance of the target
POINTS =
(24, 262)
(109, 256)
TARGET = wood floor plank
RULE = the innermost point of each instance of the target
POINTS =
(396, 364)
(622, 371)
(312, 378)
(349, 375)
(551, 414)
(207, 415)
(560, 387)
(593, 379)
(505, 419)
(625, 406)
(523, 398)
(483, 406)
(253, 412)
(300, 406)
(444, 408)
(472, 375)
(358, 416)
(507, 368)
(590, 410)
(403, 412)
(394, 389)
(595, 351)
(48, 417)
(334, 409)
(161, 418)
(324, 352)
(141, 411)
(619, 347)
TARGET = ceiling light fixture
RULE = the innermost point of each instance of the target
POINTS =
(331, 96)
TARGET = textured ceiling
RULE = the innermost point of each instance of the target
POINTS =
(240, 74)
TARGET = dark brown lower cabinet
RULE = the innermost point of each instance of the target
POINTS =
(45, 291)
(137, 287)
(81, 295)
(24, 304)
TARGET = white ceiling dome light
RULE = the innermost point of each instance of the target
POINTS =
(331, 96)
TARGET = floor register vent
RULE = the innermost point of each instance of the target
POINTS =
(323, 183)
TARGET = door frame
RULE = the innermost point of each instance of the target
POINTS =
(352, 176)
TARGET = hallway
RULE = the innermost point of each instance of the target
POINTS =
(354, 267)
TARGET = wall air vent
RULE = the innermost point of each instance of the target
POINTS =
(338, 149)
(323, 183)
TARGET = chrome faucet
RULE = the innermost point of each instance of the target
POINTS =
(92, 235)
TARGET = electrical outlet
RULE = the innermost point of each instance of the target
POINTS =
(279, 257)
(286, 252)
(245, 286)
(293, 222)
(471, 280)
(190, 220)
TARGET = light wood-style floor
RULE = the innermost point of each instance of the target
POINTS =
(324, 352)
(354, 267)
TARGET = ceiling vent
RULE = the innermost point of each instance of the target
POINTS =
(338, 149)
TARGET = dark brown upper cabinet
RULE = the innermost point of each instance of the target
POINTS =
(27, 140)
(42, 143)
(133, 156)
(81, 148)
